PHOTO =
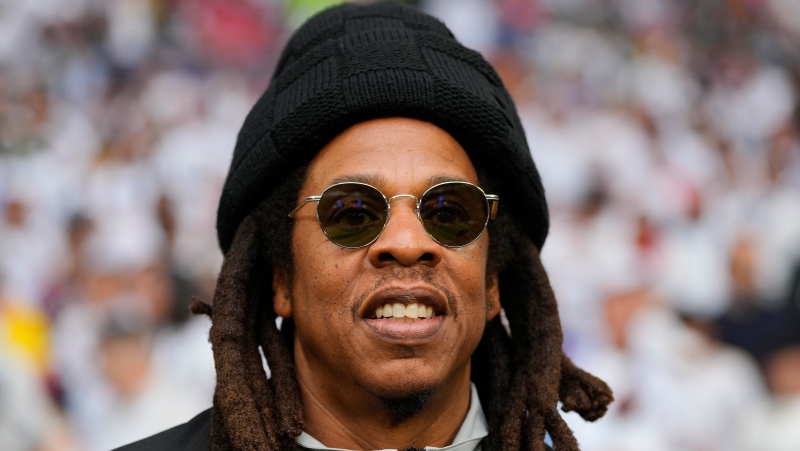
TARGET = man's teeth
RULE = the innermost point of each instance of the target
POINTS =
(410, 313)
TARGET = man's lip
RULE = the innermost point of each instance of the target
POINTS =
(406, 296)
(401, 331)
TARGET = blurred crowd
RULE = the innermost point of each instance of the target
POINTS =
(667, 133)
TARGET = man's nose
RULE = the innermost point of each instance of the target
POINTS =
(404, 240)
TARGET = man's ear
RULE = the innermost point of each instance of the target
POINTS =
(282, 299)
(492, 297)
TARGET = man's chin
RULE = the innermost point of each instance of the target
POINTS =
(404, 406)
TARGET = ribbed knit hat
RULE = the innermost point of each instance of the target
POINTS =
(354, 62)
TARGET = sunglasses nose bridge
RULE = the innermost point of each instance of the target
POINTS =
(407, 196)
(401, 196)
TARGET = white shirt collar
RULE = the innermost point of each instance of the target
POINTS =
(468, 438)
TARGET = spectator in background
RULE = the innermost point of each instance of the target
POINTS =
(772, 425)
(119, 310)
(752, 323)
(141, 399)
(676, 386)
(28, 417)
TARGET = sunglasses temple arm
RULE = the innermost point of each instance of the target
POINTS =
(307, 199)
(494, 201)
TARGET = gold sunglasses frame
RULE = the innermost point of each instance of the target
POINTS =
(491, 200)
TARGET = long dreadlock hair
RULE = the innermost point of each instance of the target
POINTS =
(520, 377)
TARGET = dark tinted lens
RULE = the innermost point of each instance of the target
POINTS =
(455, 213)
(352, 214)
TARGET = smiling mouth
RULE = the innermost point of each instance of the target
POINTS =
(405, 313)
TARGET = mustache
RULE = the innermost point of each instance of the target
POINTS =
(406, 275)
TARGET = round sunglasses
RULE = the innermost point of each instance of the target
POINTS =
(353, 214)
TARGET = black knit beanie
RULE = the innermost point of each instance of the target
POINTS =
(353, 63)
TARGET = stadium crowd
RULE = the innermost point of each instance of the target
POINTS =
(667, 133)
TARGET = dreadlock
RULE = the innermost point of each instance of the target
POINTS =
(521, 373)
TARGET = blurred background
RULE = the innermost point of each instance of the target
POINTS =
(667, 133)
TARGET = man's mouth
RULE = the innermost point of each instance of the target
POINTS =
(401, 313)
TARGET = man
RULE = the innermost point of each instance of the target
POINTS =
(383, 202)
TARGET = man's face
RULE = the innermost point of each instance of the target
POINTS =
(341, 349)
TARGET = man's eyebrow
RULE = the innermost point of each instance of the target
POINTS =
(436, 179)
(369, 179)
(377, 180)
